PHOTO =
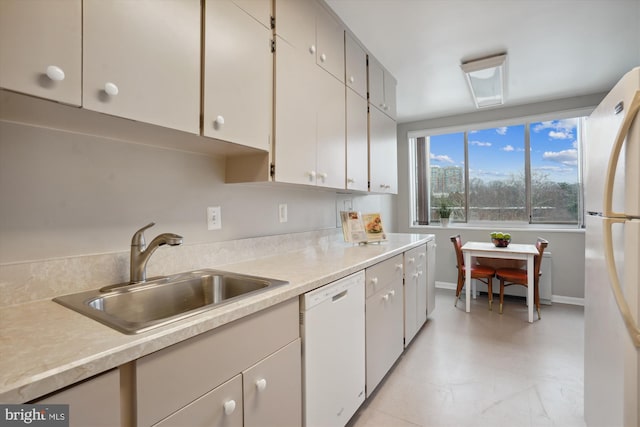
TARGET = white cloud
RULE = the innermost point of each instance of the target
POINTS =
(480, 143)
(441, 158)
(563, 134)
(502, 130)
(558, 129)
(566, 157)
(508, 148)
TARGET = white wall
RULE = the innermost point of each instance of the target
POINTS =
(66, 194)
(567, 246)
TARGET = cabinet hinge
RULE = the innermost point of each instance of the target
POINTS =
(272, 170)
(273, 22)
(273, 45)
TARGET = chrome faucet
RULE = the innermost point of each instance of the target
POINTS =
(140, 253)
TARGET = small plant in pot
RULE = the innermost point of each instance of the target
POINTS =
(500, 239)
(445, 212)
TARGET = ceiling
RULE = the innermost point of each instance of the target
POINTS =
(556, 48)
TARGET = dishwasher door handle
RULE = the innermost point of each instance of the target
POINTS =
(339, 296)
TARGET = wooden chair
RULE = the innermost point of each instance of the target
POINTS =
(478, 272)
(518, 276)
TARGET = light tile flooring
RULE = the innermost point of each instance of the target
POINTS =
(485, 369)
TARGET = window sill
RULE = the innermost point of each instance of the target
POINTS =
(564, 228)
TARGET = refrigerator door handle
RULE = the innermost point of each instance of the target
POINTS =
(632, 112)
(629, 321)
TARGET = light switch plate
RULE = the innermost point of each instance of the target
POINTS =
(214, 218)
(282, 212)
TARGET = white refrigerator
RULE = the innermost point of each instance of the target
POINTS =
(612, 258)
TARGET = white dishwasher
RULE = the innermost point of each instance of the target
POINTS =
(333, 351)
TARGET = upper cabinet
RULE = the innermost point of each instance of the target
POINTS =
(141, 61)
(330, 43)
(383, 153)
(382, 88)
(309, 97)
(238, 72)
(41, 48)
(355, 66)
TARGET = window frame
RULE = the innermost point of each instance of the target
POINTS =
(412, 136)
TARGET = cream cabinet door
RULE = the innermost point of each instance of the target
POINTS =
(273, 389)
(258, 9)
(238, 75)
(383, 153)
(357, 142)
(330, 41)
(415, 292)
(141, 61)
(221, 407)
(355, 66)
(384, 324)
(430, 272)
(41, 48)
(295, 116)
(295, 23)
(331, 152)
(382, 88)
(93, 402)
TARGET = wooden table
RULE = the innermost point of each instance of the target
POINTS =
(513, 251)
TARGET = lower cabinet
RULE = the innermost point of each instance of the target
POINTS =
(94, 402)
(415, 291)
(261, 396)
(198, 379)
(384, 319)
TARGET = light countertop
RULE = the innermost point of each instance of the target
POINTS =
(45, 346)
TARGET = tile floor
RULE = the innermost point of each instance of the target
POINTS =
(485, 369)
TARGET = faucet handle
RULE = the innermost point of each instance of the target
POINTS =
(138, 236)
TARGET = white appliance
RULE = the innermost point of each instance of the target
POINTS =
(333, 351)
(612, 258)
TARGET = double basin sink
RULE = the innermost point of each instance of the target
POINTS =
(139, 307)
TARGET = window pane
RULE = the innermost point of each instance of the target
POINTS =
(446, 163)
(554, 171)
(496, 174)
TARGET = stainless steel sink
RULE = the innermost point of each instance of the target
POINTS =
(135, 308)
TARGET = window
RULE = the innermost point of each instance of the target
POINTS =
(522, 173)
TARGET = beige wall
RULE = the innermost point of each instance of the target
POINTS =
(66, 194)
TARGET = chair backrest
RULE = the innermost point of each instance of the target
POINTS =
(541, 244)
(457, 245)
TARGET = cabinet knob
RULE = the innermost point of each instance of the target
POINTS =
(392, 293)
(398, 266)
(416, 275)
(374, 280)
(385, 297)
(351, 181)
(55, 73)
(220, 120)
(323, 57)
(323, 176)
(312, 48)
(311, 175)
(229, 407)
(352, 79)
(261, 384)
(111, 89)
(412, 260)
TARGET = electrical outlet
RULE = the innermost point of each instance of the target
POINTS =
(282, 212)
(347, 204)
(214, 218)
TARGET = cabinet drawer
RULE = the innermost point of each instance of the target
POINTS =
(381, 274)
(209, 410)
(173, 377)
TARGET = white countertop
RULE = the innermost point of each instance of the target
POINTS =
(45, 346)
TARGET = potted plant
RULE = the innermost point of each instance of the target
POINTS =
(445, 212)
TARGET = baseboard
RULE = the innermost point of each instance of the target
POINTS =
(567, 300)
(560, 299)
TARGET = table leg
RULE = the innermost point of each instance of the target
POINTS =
(467, 283)
(530, 302)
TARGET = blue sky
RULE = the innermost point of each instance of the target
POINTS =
(497, 153)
